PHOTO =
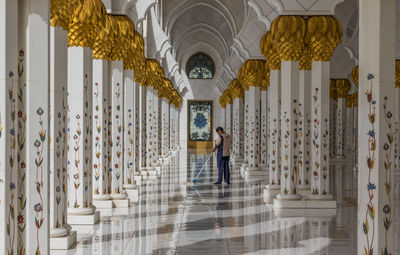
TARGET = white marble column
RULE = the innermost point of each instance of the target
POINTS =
(177, 128)
(8, 125)
(150, 166)
(80, 209)
(165, 127)
(59, 228)
(137, 134)
(264, 128)
(143, 127)
(156, 129)
(129, 130)
(238, 128)
(254, 129)
(289, 131)
(376, 127)
(117, 129)
(228, 118)
(305, 129)
(37, 135)
(332, 117)
(349, 124)
(246, 130)
(101, 189)
(172, 127)
(320, 129)
(274, 140)
(342, 88)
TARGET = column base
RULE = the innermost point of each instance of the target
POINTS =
(103, 204)
(237, 160)
(143, 173)
(133, 195)
(320, 197)
(129, 186)
(304, 204)
(101, 197)
(305, 190)
(138, 179)
(118, 196)
(121, 203)
(254, 171)
(270, 192)
(77, 218)
(63, 242)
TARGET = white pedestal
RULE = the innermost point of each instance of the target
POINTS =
(254, 171)
(91, 219)
(305, 204)
(103, 204)
(304, 212)
(133, 195)
(63, 243)
(121, 203)
(138, 179)
(270, 194)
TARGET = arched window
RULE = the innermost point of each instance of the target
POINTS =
(200, 66)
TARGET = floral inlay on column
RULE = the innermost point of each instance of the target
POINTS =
(39, 207)
(11, 224)
(77, 161)
(118, 143)
(21, 154)
(97, 162)
(316, 135)
(131, 147)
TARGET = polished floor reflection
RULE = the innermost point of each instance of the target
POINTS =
(175, 217)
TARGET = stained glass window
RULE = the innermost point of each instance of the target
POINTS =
(200, 66)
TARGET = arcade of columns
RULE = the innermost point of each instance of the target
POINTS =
(292, 122)
(76, 129)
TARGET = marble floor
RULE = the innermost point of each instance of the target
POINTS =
(176, 217)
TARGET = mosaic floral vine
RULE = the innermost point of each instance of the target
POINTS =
(87, 153)
(371, 187)
(118, 142)
(285, 152)
(316, 144)
(77, 160)
(97, 162)
(11, 223)
(388, 161)
(39, 207)
(131, 148)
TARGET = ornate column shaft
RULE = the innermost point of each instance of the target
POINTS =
(156, 129)
(376, 127)
(238, 127)
(129, 130)
(254, 128)
(342, 88)
(8, 126)
(143, 134)
(101, 189)
(332, 118)
(264, 127)
(349, 123)
(323, 35)
(305, 129)
(58, 134)
(172, 127)
(79, 135)
(117, 129)
(290, 46)
(165, 127)
(274, 138)
(228, 119)
(150, 131)
(177, 127)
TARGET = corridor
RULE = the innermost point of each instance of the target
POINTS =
(175, 217)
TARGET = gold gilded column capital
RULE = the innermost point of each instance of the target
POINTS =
(251, 73)
(270, 53)
(324, 33)
(354, 75)
(342, 87)
(86, 21)
(397, 77)
(266, 81)
(349, 101)
(287, 34)
(237, 89)
(61, 12)
(305, 60)
(332, 89)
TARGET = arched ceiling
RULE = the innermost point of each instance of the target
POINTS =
(210, 24)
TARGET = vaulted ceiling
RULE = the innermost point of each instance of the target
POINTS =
(209, 25)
